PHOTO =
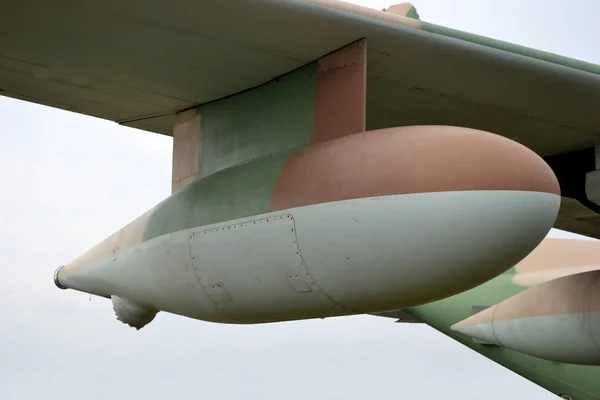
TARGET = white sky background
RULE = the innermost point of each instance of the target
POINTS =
(69, 181)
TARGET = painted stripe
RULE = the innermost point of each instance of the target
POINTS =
(241, 142)
(341, 97)
(235, 192)
(556, 258)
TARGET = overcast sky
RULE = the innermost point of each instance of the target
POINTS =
(70, 180)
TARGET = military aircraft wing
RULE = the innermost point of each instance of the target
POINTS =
(140, 62)
(132, 61)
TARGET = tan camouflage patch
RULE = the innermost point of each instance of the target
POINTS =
(124, 239)
(341, 99)
(555, 258)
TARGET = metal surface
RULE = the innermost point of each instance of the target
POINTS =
(56, 278)
(138, 62)
(258, 261)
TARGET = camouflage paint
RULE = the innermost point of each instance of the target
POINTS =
(558, 320)
(257, 123)
(555, 258)
(228, 154)
(558, 317)
(340, 104)
(127, 237)
(511, 48)
(406, 14)
(229, 194)
(576, 381)
(245, 139)
(247, 129)
(362, 165)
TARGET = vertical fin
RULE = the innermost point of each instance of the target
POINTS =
(320, 101)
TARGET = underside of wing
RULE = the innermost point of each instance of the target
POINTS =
(140, 63)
